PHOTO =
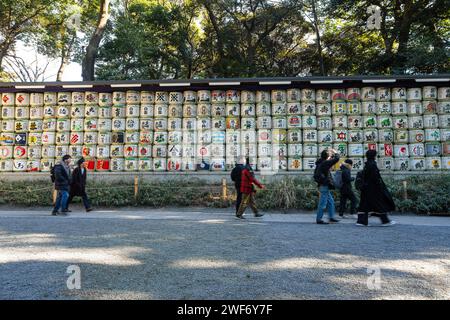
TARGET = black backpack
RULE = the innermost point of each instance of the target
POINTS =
(318, 176)
(52, 173)
(359, 181)
(236, 174)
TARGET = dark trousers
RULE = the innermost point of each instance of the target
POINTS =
(84, 197)
(238, 197)
(363, 218)
(347, 195)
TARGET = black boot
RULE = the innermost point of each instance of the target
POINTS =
(363, 219)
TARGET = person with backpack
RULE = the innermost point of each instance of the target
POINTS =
(375, 197)
(322, 175)
(78, 185)
(345, 188)
(61, 177)
(236, 175)
(248, 191)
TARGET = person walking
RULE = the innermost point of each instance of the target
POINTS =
(78, 185)
(62, 177)
(322, 175)
(236, 176)
(375, 197)
(346, 190)
(247, 189)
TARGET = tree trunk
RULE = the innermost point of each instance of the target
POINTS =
(65, 58)
(92, 48)
(319, 45)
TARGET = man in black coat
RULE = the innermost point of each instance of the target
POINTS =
(78, 185)
(346, 190)
(236, 174)
(62, 176)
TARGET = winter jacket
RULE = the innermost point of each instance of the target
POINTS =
(78, 183)
(62, 177)
(247, 181)
(324, 168)
(346, 179)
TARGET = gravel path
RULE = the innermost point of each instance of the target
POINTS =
(200, 253)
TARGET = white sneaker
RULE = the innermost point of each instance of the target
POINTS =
(388, 224)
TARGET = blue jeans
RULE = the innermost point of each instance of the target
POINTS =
(326, 201)
(61, 200)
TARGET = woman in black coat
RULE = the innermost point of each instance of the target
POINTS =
(78, 184)
(375, 197)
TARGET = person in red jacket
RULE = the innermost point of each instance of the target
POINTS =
(248, 191)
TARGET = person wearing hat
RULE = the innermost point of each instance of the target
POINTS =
(78, 185)
(346, 190)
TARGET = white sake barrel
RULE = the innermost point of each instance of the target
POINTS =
(203, 151)
(401, 164)
(130, 150)
(76, 138)
(47, 164)
(249, 150)
(64, 98)
(370, 135)
(264, 150)
(294, 121)
(162, 97)
(35, 138)
(77, 98)
(232, 123)
(146, 137)
(264, 136)
(430, 121)
(295, 150)
(116, 150)
(217, 150)
(429, 107)
(294, 136)
(62, 137)
(50, 98)
(383, 94)
(90, 137)
(293, 95)
(279, 122)
(132, 110)
(203, 124)
(324, 123)
(310, 135)
(340, 121)
(160, 137)
(432, 135)
(325, 136)
(218, 96)
(353, 108)
(340, 135)
(105, 99)
(265, 164)
(279, 136)
(118, 124)
(369, 108)
(76, 124)
(370, 122)
(355, 150)
(8, 112)
(36, 112)
(355, 122)
(264, 122)
(278, 96)
(387, 122)
(6, 152)
(104, 125)
(444, 121)
(204, 136)
(118, 113)
(48, 138)
(119, 98)
(147, 110)
(232, 150)
(21, 126)
(310, 149)
(386, 164)
(174, 124)
(416, 136)
(160, 124)
(309, 122)
(309, 164)
(217, 137)
(417, 164)
(161, 110)
(232, 109)
(248, 110)
(49, 111)
(63, 111)
(174, 164)
(132, 137)
(279, 150)
(189, 110)
(147, 124)
(384, 108)
(33, 165)
(433, 149)
(308, 95)
(353, 94)
(294, 164)
(433, 163)
(131, 164)
(398, 94)
(341, 148)
(323, 96)
(446, 163)
(218, 123)
(417, 150)
(263, 109)
(294, 108)
(308, 108)
(218, 110)
(443, 107)
(338, 94)
(355, 136)
(159, 164)
(117, 164)
(248, 123)
(444, 93)
(279, 164)
(36, 99)
(414, 94)
(22, 113)
(34, 152)
(401, 150)
(338, 108)
(248, 136)
(399, 108)
(248, 97)
(61, 151)
(189, 96)
(145, 164)
(90, 124)
(132, 124)
(205, 96)
(19, 165)
(203, 110)
(415, 122)
(189, 151)
(429, 93)
(385, 135)
(175, 97)
(77, 111)
(401, 136)
(147, 97)
(104, 112)
(62, 125)
(415, 108)
(91, 98)
(189, 137)
(48, 151)
(189, 164)
(262, 96)
(232, 137)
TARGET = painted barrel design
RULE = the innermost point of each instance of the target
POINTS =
(48, 151)
(383, 94)
(91, 98)
(22, 113)
(279, 109)
(325, 136)
(416, 136)
(308, 95)
(384, 107)
(36, 112)
(433, 163)
(355, 136)
(309, 122)
(118, 111)
(429, 93)
(77, 98)
(248, 97)
(415, 122)
(147, 97)
(338, 94)
(399, 108)
(90, 124)
(205, 96)
(294, 121)
(117, 164)
(417, 150)
(263, 109)
(131, 164)
(162, 97)
(218, 110)
(294, 136)
(368, 94)
(339, 108)
(8, 112)
(429, 107)
(50, 98)
(400, 122)
(262, 96)
(145, 164)
(414, 94)
(443, 107)
(310, 136)
(386, 164)
(63, 125)
(385, 135)
(203, 110)
(119, 98)
(76, 151)
(278, 96)
(323, 96)
(64, 98)
(398, 94)
(218, 96)
(310, 150)
(417, 164)
(105, 99)
(430, 121)
(233, 96)
(444, 93)
(415, 108)
(293, 95)
(401, 136)
(21, 126)
(36, 99)
(401, 164)
(355, 150)
(369, 108)
(175, 98)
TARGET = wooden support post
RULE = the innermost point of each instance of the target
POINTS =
(136, 188)
(55, 194)
(405, 190)
(224, 189)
